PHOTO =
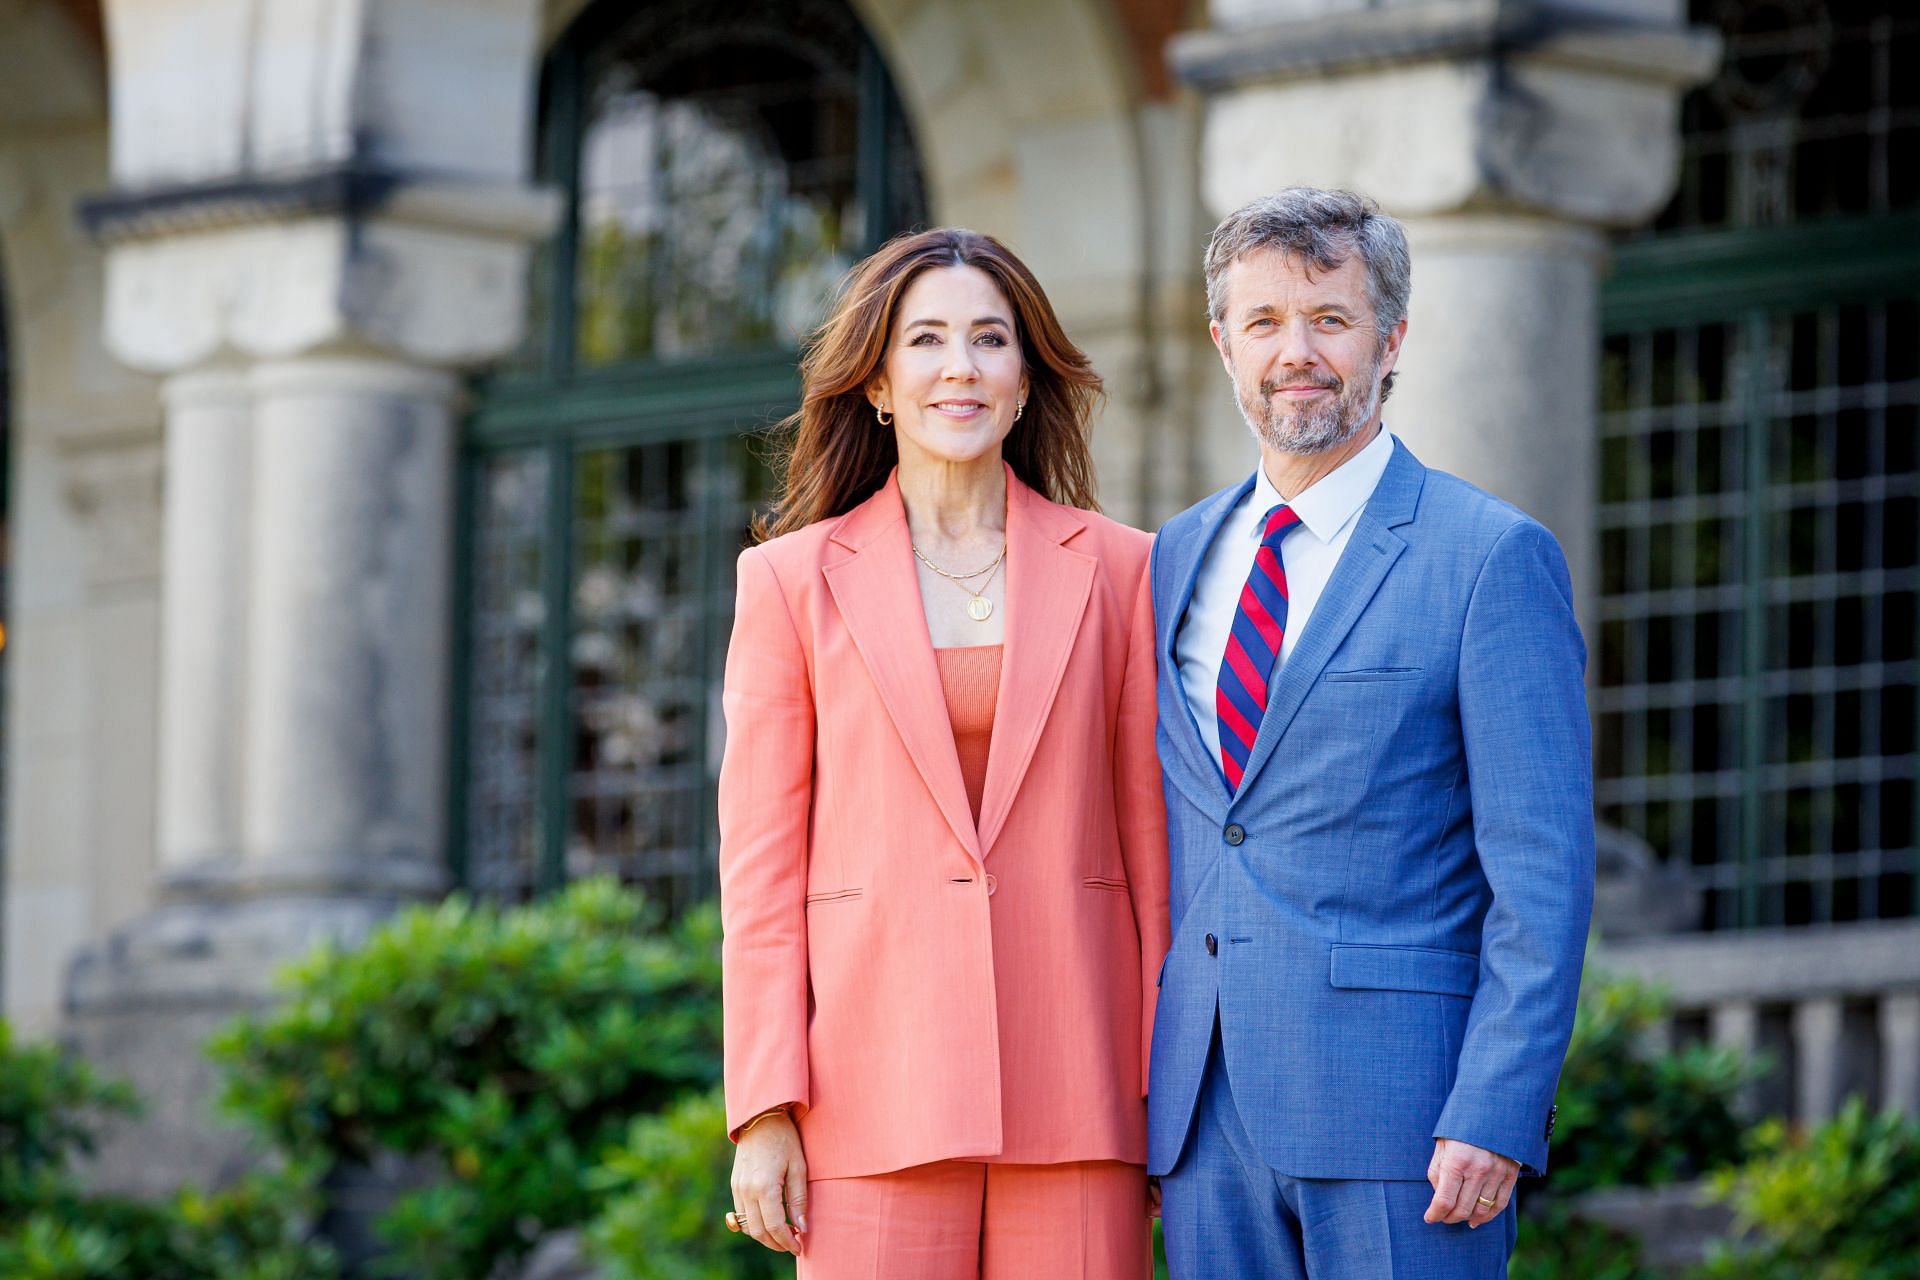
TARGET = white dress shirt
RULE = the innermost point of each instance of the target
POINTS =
(1328, 510)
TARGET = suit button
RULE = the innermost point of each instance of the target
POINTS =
(1213, 947)
(1235, 833)
(992, 884)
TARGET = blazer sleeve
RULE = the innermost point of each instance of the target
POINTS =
(1523, 716)
(1140, 808)
(766, 792)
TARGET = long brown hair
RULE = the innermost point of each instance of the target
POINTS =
(833, 455)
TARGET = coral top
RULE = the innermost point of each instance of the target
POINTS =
(970, 678)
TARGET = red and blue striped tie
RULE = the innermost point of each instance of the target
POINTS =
(1253, 648)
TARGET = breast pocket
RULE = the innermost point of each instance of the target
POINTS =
(1363, 675)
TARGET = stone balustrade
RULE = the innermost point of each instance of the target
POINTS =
(1836, 1010)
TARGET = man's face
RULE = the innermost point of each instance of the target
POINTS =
(1305, 359)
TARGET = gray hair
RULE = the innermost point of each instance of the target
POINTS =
(1323, 229)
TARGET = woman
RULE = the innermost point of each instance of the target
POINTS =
(942, 842)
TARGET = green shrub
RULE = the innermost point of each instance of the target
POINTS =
(506, 1050)
(50, 1229)
(1633, 1117)
(667, 1190)
(1629, 1116)
(1840, 1203)
(49, 1104)
(1556, 1245)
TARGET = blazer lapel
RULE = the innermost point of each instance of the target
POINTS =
(1199, 775)
(1048, 586)
(1363, 566)
(878, 592)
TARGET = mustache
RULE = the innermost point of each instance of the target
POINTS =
(1325, 381)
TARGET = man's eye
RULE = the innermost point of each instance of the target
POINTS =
(1263, 321)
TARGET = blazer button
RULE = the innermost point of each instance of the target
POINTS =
(1235, 833)
(1213, 947)
(992, 884)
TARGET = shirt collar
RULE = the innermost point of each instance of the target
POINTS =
(1326, 505)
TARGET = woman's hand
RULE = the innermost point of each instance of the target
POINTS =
(767, 1166)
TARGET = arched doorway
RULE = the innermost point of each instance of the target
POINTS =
(722, 163)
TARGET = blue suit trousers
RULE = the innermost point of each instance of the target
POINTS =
(1227, 1215)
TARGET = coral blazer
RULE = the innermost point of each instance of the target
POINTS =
(920, 989)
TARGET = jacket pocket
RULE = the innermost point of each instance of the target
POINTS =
(1108, 883)
(833, 895)
(1361, 675)
(1447, 973)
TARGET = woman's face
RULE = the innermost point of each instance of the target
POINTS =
(953, 376)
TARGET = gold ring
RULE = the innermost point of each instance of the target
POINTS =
(735, 1222)
(1487, 1202)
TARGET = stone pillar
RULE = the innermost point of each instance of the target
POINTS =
(1508, 137)
(347, 710)
(203, 616)
(1900, 1051)
(312, 239)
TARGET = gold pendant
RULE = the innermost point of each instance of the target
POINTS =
(979, 608)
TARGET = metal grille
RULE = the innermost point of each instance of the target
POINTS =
(1815, 113)
(657, 528)
(654, 532)
(1758, 597)
(724, 160)
(721, 176)
(507, 616)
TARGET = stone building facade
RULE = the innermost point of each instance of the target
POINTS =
(382, 380)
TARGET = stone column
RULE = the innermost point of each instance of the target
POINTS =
(347, 711)
(313, 240)
(203, 617)
(1508, 136)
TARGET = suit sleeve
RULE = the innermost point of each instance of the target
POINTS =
(766, 791)
(1523, 717)
(1140, 805)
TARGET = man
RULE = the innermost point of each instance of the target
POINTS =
(1373, 728)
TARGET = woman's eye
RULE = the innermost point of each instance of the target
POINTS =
(922, 340)
(993, 339)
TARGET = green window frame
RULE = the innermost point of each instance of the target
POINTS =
(557, 431)
(1757, 692)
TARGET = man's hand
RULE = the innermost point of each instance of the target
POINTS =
(1463, 1178)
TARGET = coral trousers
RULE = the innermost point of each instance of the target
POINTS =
(965, 1220)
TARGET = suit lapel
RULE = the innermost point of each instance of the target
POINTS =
(1199, 775)
(1048, 586)
(1363, 566)
(878, 593)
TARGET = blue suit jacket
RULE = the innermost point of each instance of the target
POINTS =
(1398, 895)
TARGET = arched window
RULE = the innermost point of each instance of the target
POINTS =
(1760, 541)
(724, 162)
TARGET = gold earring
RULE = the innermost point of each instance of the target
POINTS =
(881, 415)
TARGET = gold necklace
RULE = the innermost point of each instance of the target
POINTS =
(979, 608)
(957, 577)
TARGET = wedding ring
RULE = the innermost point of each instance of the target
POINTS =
(1489, 1203)
(735, 1222)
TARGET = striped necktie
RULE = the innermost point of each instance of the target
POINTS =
(1253, 648)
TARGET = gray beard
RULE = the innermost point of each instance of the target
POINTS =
(1311, 429)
